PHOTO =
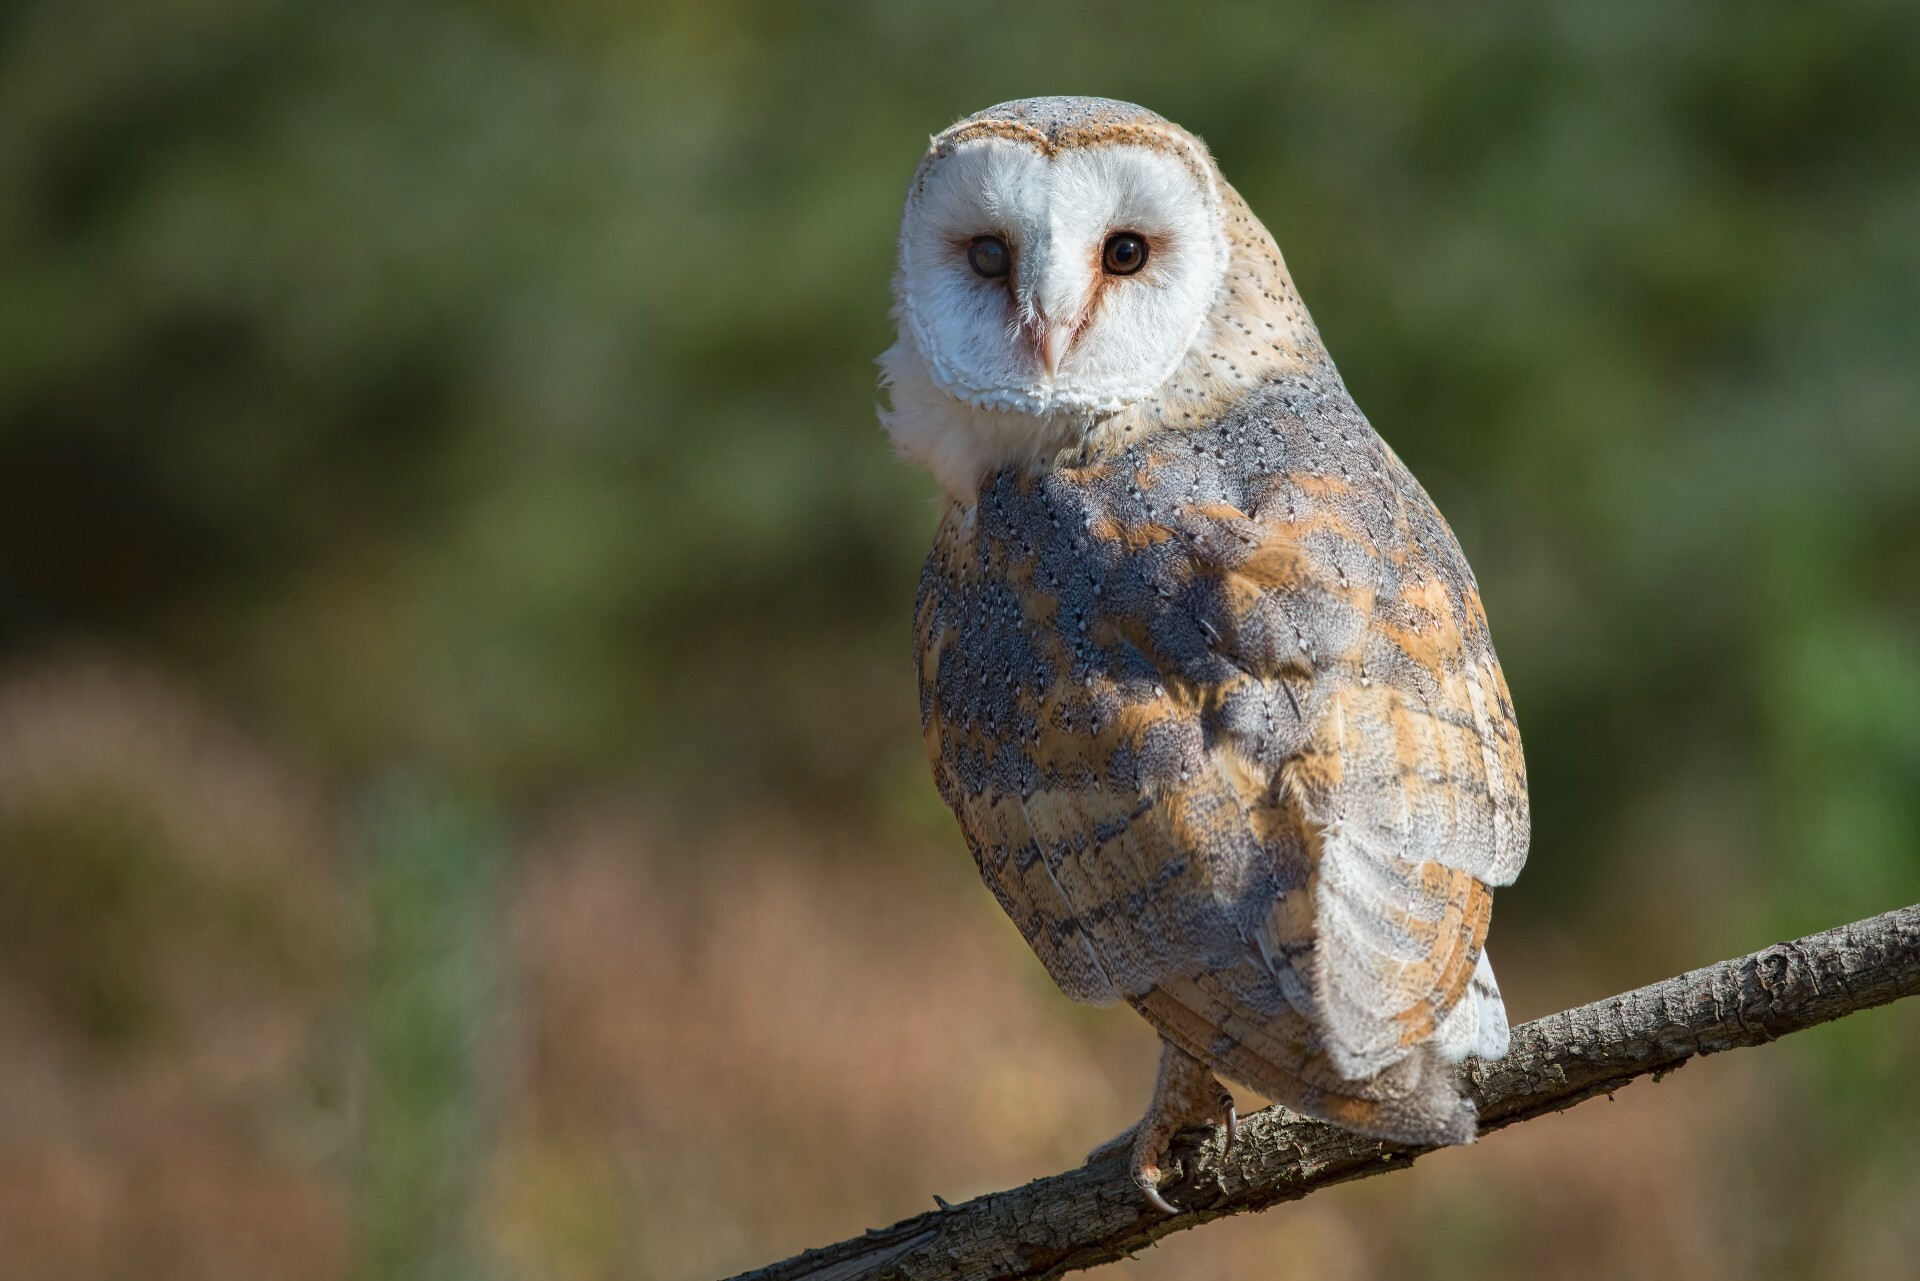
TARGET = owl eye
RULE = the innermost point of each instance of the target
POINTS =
(1126, 253)
(989, 257)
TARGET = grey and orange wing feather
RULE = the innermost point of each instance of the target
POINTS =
(1264, 801)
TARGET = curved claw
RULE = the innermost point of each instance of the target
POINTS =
(1186, 1094)
(1149, 1185)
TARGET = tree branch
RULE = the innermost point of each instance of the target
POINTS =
(1094, 1214)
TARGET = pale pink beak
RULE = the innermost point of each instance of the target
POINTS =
(1050, 342)
(1054, 342)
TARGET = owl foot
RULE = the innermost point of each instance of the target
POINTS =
(1185, 1095)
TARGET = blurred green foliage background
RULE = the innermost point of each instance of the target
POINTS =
(480, 394)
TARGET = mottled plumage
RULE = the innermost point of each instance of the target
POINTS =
(1207, 681)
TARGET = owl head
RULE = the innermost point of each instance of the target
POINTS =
(1059, 259)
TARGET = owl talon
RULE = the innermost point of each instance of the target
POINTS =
(1149, 1180)
(1184, 1095)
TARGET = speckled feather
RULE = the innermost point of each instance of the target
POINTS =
(1212, 694)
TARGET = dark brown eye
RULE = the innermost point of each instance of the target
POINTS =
(1126, 253)
(988, 256)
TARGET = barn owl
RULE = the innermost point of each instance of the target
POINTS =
(1203, 673)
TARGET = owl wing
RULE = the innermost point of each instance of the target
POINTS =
(1267, 813)
(1411, 787)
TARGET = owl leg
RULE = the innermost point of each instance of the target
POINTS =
(1184, 1095)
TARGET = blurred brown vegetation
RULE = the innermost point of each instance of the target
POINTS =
(461, 805)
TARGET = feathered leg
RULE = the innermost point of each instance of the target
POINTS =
(1185, 1094)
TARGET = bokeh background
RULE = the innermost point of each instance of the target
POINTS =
(461, 805)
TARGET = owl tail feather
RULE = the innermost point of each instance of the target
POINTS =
(1417, 1100)
(1478, 1024)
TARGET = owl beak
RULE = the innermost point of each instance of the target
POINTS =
(1050, 341)
(1054, 341)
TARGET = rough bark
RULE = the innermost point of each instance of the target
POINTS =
(1094, 1214)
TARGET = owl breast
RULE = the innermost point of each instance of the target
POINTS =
(1216, 571)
